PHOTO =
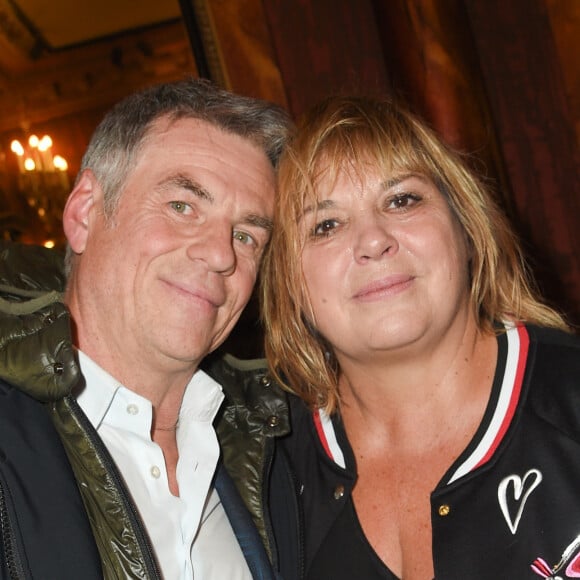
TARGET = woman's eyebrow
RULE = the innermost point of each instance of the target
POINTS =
(324, 204)
(392, 182)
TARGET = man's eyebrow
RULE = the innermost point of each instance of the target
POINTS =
(259, 221)
(186, 182)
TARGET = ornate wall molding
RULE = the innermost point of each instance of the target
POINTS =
(92, 76)
(18, 44)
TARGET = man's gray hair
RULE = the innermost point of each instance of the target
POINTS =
(117, 140)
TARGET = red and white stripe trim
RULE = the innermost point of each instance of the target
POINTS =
(327, 436)
(510, 391)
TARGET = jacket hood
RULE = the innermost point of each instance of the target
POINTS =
(36, 352)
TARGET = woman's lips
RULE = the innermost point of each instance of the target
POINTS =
(383, 287)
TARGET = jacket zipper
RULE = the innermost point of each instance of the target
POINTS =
(10, 553)
(299, 515)
(137, 525)
(269, 451)
(268, 456)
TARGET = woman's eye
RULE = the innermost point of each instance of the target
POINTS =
(179, 206)
(324, 228)
(402, 200)
(243, 237)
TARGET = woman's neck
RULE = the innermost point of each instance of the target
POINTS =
(397, 394)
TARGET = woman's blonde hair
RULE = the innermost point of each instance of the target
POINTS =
(351, 132)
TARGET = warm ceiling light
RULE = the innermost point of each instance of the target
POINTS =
(33, 141)
(29, 164)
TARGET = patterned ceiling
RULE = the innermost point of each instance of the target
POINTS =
(60, 24)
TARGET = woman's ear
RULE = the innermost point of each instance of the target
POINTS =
(80, 205)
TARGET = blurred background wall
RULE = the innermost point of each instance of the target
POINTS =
(499, 80)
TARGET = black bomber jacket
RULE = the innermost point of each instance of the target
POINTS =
(57, 481)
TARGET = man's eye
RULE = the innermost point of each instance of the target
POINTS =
(243, 237)
(402, 201)
(180, 206)
(324, 228)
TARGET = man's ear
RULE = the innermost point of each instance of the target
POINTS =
(82, 203)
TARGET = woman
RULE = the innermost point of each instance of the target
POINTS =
(441, 429)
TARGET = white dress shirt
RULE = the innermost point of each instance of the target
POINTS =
(191, 534)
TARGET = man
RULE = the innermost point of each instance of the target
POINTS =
(166, 226)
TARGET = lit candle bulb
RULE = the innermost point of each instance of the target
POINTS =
(44, 146)
(18, 150)
(61, 166)
(60, 163)
(33, 141)
(30, 167)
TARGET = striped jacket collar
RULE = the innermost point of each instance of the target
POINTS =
(507, 391)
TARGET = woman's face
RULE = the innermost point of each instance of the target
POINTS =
(385, 264)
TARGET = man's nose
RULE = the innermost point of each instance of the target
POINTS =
(214, 244)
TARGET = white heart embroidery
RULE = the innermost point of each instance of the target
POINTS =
(522, 488)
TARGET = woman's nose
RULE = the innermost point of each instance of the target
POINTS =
(373, 239)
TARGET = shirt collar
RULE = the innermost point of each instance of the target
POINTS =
(201, 401)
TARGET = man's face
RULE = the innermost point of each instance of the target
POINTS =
(167, 276)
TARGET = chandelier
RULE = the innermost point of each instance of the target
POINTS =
(44, 182)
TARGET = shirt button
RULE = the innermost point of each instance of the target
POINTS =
(132, 409)
(273, 421)
(339, 492)
(444, 510)
(156, 472)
